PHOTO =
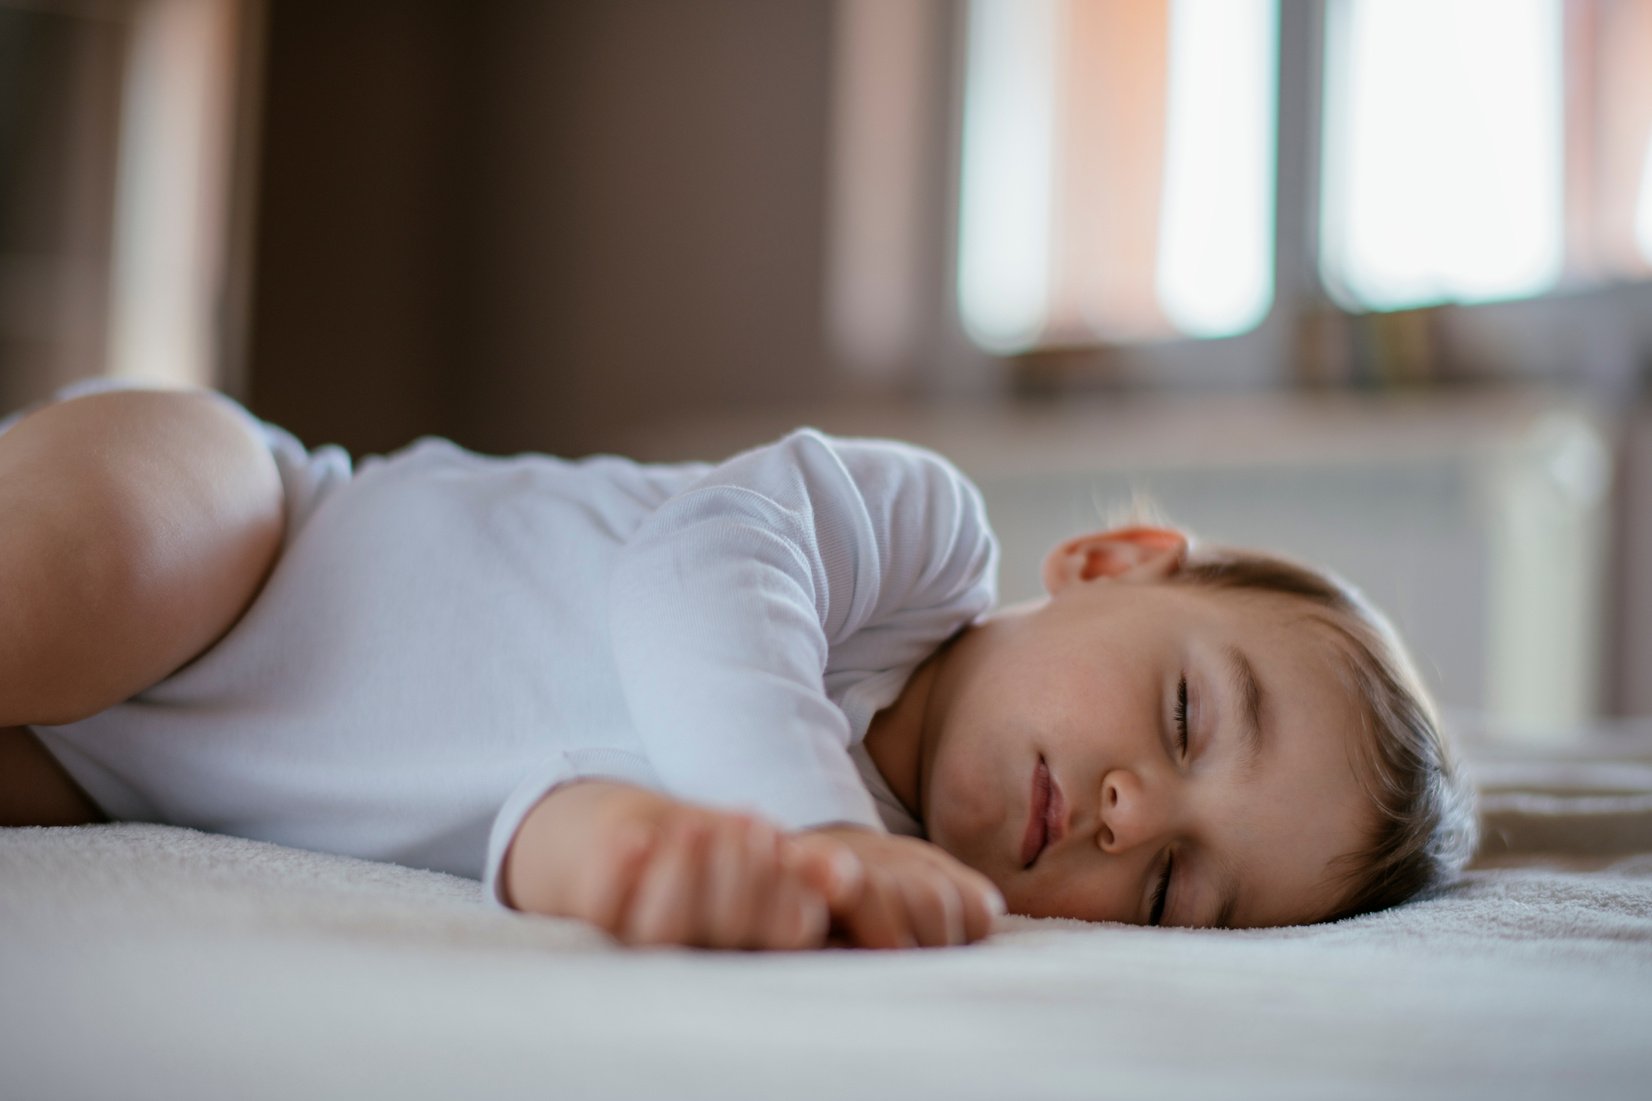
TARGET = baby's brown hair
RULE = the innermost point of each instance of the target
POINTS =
(1426, 826)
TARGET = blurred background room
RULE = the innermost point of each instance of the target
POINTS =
(1365, 281)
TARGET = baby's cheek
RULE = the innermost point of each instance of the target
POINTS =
(962, 844)
(963, 816)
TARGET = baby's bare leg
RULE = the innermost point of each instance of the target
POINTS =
(135, 528)
(34, 789)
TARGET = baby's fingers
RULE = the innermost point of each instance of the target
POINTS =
(664, 908)
(798, 918)
(757, 897)
(742, 873)
(877, 918)
(976, 898)
(827, 867)
(606, 895)
(981, 907)
(934, 911)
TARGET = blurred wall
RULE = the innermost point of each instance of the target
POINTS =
(523, 225)
(60, 108)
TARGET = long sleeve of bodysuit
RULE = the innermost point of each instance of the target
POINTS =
(731, 600)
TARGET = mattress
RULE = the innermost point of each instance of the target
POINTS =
(141, 961)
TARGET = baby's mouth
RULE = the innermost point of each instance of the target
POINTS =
(1046, 816)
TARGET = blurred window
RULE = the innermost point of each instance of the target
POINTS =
(1117, 170)
(1442, 154)
(1477, 150)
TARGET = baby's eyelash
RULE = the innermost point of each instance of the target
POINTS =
(1181, 713)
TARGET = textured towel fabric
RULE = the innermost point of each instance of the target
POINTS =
(148, 961)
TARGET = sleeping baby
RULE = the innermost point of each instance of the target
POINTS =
(766, 703)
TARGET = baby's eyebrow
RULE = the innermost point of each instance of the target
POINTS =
(1248, 691)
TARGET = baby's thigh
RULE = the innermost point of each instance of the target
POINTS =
(34, 789)
(138, 527)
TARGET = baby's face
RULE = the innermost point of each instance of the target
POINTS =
(1093, 689)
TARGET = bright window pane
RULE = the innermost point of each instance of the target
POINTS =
(1009, 113)
(1442, 156)
(1117, 170)
(1216, 254)
(1643, 208)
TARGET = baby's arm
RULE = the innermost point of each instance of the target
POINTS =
(734, 602)
(650, 869)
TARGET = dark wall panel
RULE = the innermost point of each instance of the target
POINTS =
(527, 225)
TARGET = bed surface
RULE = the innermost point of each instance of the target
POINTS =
(146, 961)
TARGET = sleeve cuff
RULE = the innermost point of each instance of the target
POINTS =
(557, 769)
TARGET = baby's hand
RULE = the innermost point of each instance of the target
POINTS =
(650, 869)
(910, 893)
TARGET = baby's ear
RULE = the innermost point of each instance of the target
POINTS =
(1122, 554)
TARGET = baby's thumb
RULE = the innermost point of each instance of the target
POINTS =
(835, 871)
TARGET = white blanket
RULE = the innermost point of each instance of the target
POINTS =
(145, 961)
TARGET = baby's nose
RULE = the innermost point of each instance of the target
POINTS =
(1126, 817)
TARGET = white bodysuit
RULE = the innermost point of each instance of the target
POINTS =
(447, 636)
